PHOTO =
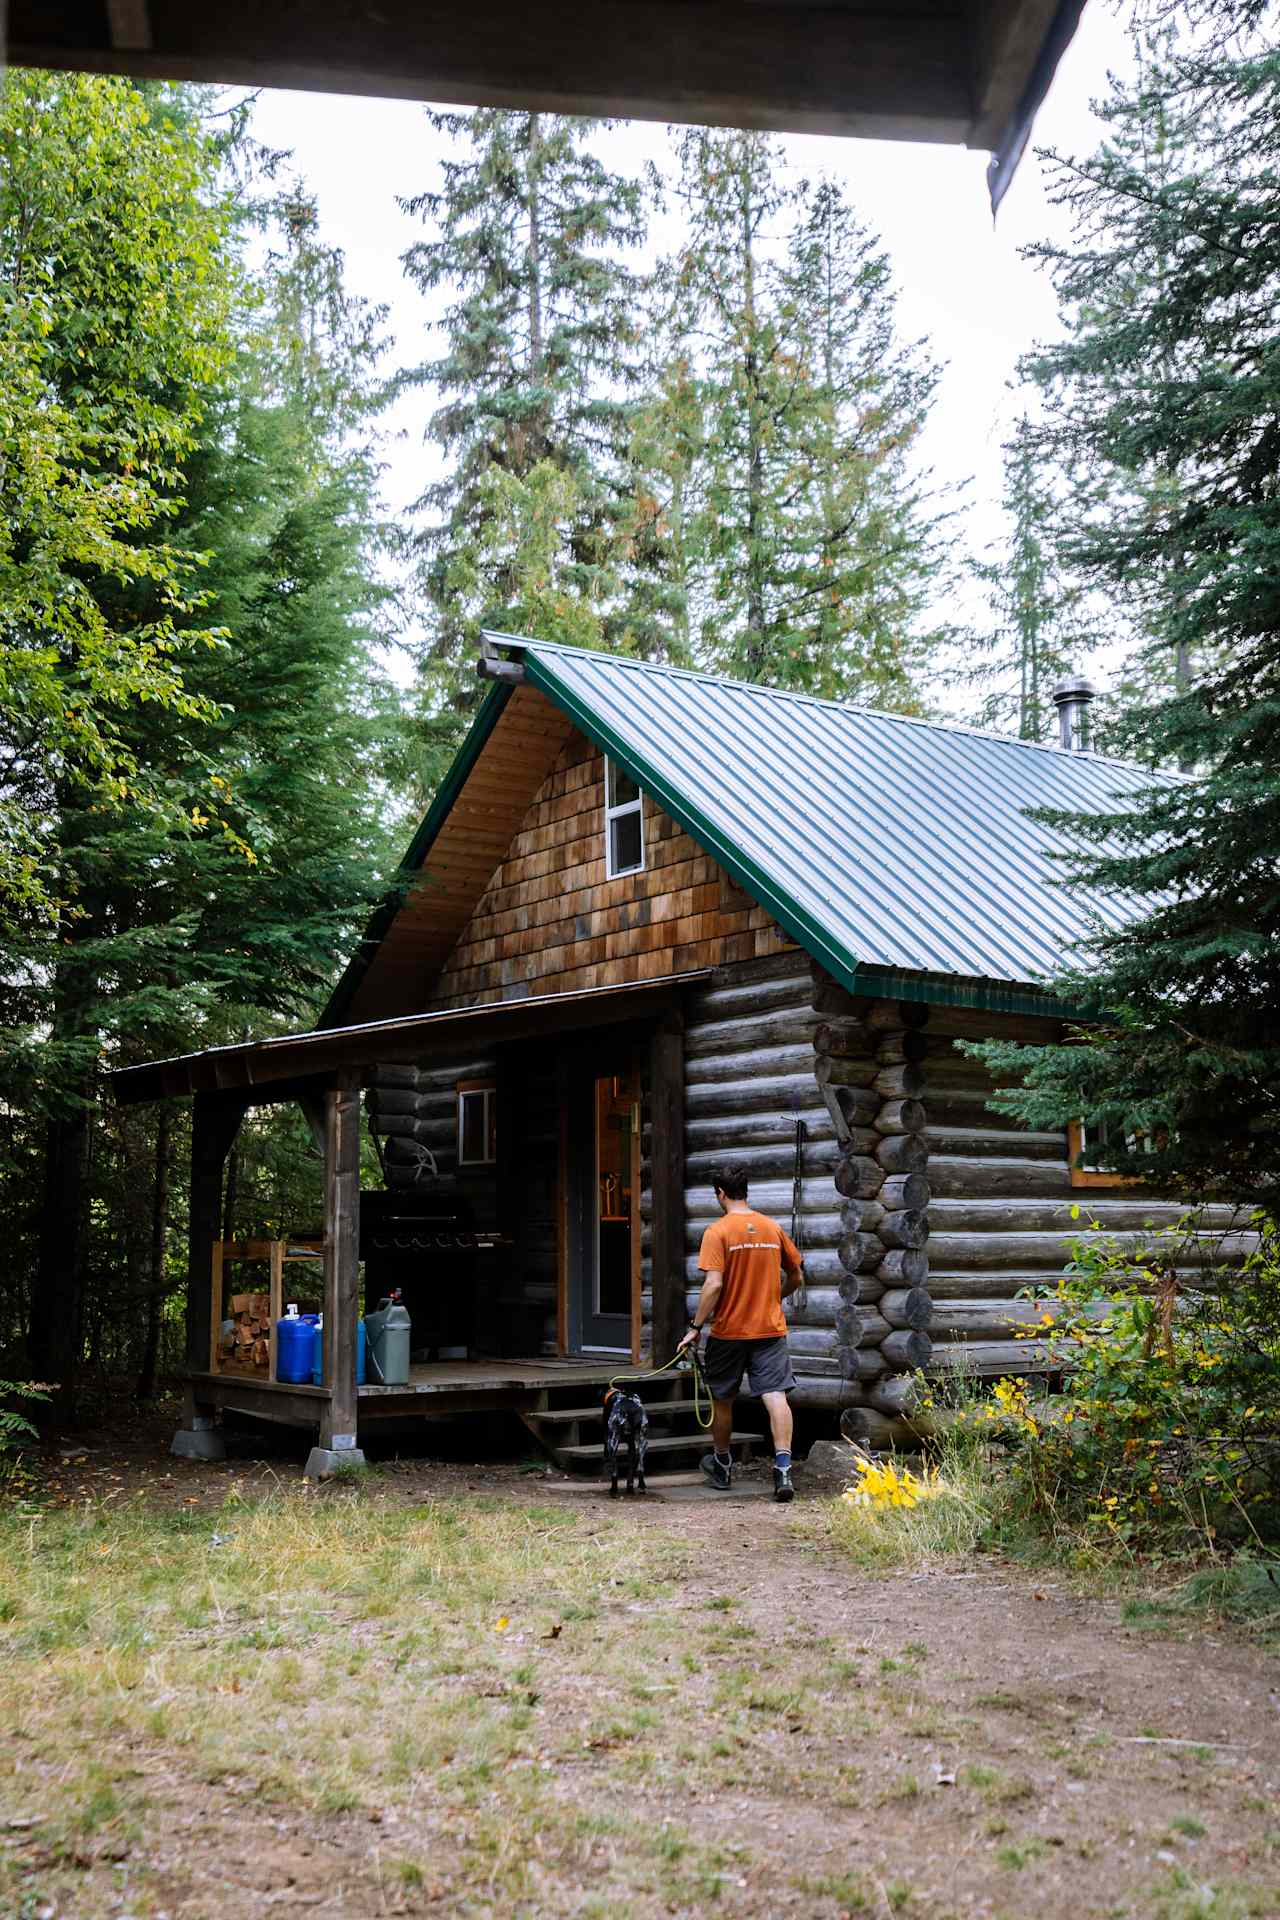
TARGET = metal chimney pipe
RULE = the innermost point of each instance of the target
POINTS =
(1072, 697)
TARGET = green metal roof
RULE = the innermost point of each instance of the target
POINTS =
(898, 852)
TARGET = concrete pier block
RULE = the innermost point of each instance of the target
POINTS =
(324, 1462)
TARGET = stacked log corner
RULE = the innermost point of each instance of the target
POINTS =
(869, 1060)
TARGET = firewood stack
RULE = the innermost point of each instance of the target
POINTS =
(246, 1344)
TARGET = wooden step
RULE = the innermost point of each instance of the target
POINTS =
(671, 1443)
(559, 1416)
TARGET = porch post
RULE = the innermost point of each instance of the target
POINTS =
(666, 1098)
(215, 1122)
(338, 1428)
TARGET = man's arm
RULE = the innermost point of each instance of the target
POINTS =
(792, 1281)
(711, 1286)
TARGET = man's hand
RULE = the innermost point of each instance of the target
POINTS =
(690, 1339)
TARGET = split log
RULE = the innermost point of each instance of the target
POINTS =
(909, 1228)
(906, 1348)
(861, 1104)
(738, 997)
(834, 1003)
(900, 1116)
(857, 1178)
(851, 1327)
(859, 1289)
(896, 1395)
(848, 1117)
(858, 1364)
(905, 1190)
(821, 1304)
(384, 1100)
(877, 1431)
(907, 1307)
(826, 1396)
(845, 1039)
(893, 1047)
(861, 1216)
(903, 1153)
(888, 1016)
(968, 1176)
(1048, 1252)
(776, 1062)
(395, 1077)
(714, 1133)
(904, 1267)
(1000, 1319)
(906, 1081)
(875, 1330)
(727, 1099)
(786, 1027)
(860, 1253)
(992, 1140)
(988, 1357)
(772, 1162)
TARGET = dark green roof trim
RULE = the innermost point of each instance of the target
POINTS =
(419, 847)
(881, 982)
(946, 990)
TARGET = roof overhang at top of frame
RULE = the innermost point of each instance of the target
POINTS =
(964, 72)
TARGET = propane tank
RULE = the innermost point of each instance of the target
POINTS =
(387, 1342)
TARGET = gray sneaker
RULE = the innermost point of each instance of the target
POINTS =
(720, 1475)
(783, 1487)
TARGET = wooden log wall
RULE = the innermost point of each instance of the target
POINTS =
(869, 1065)
(1001, 1208)
(748, 1046)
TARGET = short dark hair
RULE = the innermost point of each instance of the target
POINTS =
(729, 1181)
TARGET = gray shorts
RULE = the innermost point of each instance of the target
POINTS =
(766, 1364)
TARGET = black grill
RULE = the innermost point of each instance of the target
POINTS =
(425, 1244)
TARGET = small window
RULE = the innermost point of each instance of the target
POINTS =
(477, 1123)
(623, 823)
(1083, 1145)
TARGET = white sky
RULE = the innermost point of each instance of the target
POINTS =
(961, 281)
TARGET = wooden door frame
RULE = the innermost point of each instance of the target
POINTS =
(575, 1068)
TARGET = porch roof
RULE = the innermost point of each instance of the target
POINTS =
(292, 1063)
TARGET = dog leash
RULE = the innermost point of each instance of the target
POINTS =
(701, 1391)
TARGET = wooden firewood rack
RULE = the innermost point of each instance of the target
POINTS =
(275, 1253)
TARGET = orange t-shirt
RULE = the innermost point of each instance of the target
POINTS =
(750, 1250)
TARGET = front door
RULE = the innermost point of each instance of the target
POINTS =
(602, 1182)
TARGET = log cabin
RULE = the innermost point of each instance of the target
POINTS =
(653, 921)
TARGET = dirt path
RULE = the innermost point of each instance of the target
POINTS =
(739, 1723)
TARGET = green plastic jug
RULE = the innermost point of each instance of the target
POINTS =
(387, 1342)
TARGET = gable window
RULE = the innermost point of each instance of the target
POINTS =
(623, 823)
(477, 1123)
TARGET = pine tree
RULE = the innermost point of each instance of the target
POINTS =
(529, 234)
(815, 551)
(1039, 631)
(1183, 379)
(868, 549)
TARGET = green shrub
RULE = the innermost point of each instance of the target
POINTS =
(1167, 1434)
(14, 1426)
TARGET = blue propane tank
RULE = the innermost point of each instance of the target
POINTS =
(295, 1336)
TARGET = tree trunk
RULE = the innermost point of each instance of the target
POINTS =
(57, 1305)
(159, 1244)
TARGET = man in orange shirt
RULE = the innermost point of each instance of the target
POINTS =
(751, 1266)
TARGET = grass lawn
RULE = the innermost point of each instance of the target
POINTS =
(360, 1702)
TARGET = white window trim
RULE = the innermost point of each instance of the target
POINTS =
(611, 814)
(487, 1093)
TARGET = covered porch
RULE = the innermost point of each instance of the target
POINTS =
(511, 1311)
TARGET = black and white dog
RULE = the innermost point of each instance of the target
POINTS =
(626, 1424)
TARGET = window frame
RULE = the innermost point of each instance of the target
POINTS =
(620, 811)
(1082, 1175)
(487, 1090)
